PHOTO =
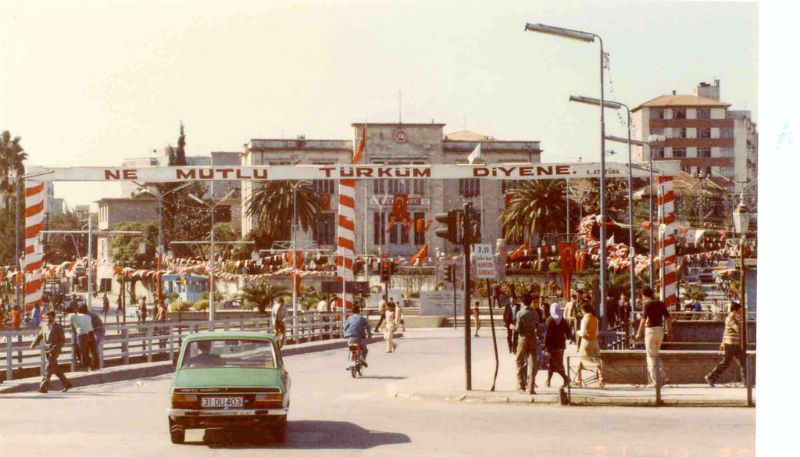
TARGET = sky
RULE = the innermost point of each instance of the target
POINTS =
(93, 82)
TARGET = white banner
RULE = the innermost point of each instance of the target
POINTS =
(521, 171)
(440, 303)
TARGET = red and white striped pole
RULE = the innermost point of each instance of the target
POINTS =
(346, 231)
(33, 259)
(668, 275)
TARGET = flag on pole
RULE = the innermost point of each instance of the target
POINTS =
(475, 154)
(362, 143)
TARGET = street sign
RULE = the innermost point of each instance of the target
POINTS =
(484, 261)
(335, 287)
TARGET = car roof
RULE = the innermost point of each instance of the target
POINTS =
(229, 336)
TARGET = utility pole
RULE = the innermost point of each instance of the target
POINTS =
(467, 332)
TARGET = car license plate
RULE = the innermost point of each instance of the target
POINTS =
(222, 402)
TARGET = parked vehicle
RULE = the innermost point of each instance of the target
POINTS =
(226, 380)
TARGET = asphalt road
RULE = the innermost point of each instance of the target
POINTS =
(333, 414)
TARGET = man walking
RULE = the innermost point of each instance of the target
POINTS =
(278, 317)
(527, 328)
(96, 337)
(52, 334)
(654, 318)
(730, 346)
(106, 305)
(509, 319)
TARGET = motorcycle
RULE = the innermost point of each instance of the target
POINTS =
(356, 364)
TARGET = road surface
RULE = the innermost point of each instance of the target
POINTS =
(335, 415)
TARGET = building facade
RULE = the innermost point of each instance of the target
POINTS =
(394, 144)
(702, 133)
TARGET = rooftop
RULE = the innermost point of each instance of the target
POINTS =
(667, 101)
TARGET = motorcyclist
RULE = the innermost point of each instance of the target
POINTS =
(356, 330)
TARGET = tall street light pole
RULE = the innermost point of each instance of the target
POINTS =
(212, 208)
(631, 252)
(161, 248)
(589, 37)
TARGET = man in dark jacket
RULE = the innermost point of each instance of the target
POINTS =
(509, 316)
(52, 334)
(527, 328)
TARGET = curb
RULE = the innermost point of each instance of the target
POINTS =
(129, 372)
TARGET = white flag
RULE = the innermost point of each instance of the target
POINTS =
(476, 153)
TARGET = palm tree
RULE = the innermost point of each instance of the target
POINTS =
(271, 206)
(262, 294)
(12, 158)
(534, 208)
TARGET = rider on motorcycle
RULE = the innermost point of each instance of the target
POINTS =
(356, 330)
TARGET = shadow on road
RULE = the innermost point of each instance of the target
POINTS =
(305, 435)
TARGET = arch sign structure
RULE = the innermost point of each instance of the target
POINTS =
(516, 171)
(347, 173)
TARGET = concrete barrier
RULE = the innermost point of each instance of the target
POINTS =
(682, 367)
(706, 331)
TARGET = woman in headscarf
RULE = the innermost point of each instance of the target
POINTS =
(589, 349)
(557, 331)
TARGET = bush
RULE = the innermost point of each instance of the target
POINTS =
(201, 305)
(554, 267)
(179, 305)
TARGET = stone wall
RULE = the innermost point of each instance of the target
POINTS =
(682, 367)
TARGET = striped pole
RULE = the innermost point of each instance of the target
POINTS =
(346, 230)
(33, 255)
(668, 275)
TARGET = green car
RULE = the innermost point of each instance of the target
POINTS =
(229, 380)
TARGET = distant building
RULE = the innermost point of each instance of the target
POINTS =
(395, 144)
(701, 132)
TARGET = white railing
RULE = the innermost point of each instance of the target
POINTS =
(134, 342)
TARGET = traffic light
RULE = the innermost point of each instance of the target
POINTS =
(387, 269)
(451, 273)
(452, 230)
(472, 229)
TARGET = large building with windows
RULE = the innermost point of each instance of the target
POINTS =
(394, 144)
(701, 132)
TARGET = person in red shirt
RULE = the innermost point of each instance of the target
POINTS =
(16, 318)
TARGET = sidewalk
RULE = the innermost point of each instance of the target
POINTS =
(448, 384)
(146, 370)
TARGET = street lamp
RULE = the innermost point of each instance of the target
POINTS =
(161, 249)
(589, 37)
(212, 209)
(741, 222)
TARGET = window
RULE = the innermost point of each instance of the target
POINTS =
(726, 133)
(509, 184)
(658, 153)
(470, 187)
(325, 228)
(704, 152)
(378, 228)
(229, 353)
(419, 237)
(704, 132)
(703, 113)
(679, 113)
(679, 133)
(659, 131)
(657, 113)
(324, 186)
(679, 153)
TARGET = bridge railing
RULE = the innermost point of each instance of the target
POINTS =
(136, 342)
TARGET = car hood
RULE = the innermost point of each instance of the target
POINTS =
(227, 377)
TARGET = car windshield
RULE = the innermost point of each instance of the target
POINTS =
(229, 353)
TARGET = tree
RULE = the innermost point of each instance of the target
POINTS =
(63, 247)
(616, 198)
(125, 248)
(12, 159)
(261, 294)
(271, 207)
(180, 152)
(534, 208)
